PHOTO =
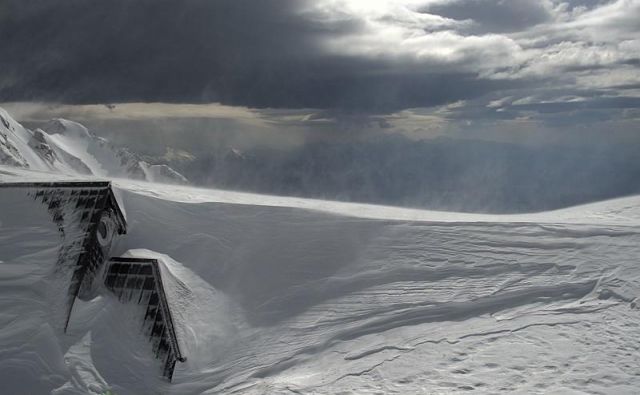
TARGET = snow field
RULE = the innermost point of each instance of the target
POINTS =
(281, 295)
(321, 302)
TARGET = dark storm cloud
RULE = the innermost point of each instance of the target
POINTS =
(238, 52)
(163, 50)
(493, 15)
(371, 57)
(587, 4)
(603, 103)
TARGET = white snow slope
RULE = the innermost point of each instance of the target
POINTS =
(295, 296)
(67, 147)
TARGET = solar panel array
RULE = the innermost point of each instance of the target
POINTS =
(139, 281)
(79, 209)
(76, 208)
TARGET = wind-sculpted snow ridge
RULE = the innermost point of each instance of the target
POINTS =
(67, 147)
(294, 296)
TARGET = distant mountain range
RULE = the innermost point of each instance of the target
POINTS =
(442, 173)
(68, 147)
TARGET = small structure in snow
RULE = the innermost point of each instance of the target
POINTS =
(139, 281)
(88, 218)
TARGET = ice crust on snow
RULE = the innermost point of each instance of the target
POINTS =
(287, 295)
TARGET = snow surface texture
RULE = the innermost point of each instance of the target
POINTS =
(281, 295)
(68, 147)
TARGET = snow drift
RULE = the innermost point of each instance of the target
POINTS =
(301, 296)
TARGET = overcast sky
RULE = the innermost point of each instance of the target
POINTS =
(499, 69)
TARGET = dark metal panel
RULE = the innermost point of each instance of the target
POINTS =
(85, 203)
(139, 281)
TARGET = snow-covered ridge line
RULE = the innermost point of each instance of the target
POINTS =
(620, 211)
(67, 147)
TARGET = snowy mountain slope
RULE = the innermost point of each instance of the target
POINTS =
(315, 297)
(14, 145)
(68, 147)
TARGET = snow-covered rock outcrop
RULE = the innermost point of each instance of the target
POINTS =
(14, 145)
(67, 147)
(162, 173)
